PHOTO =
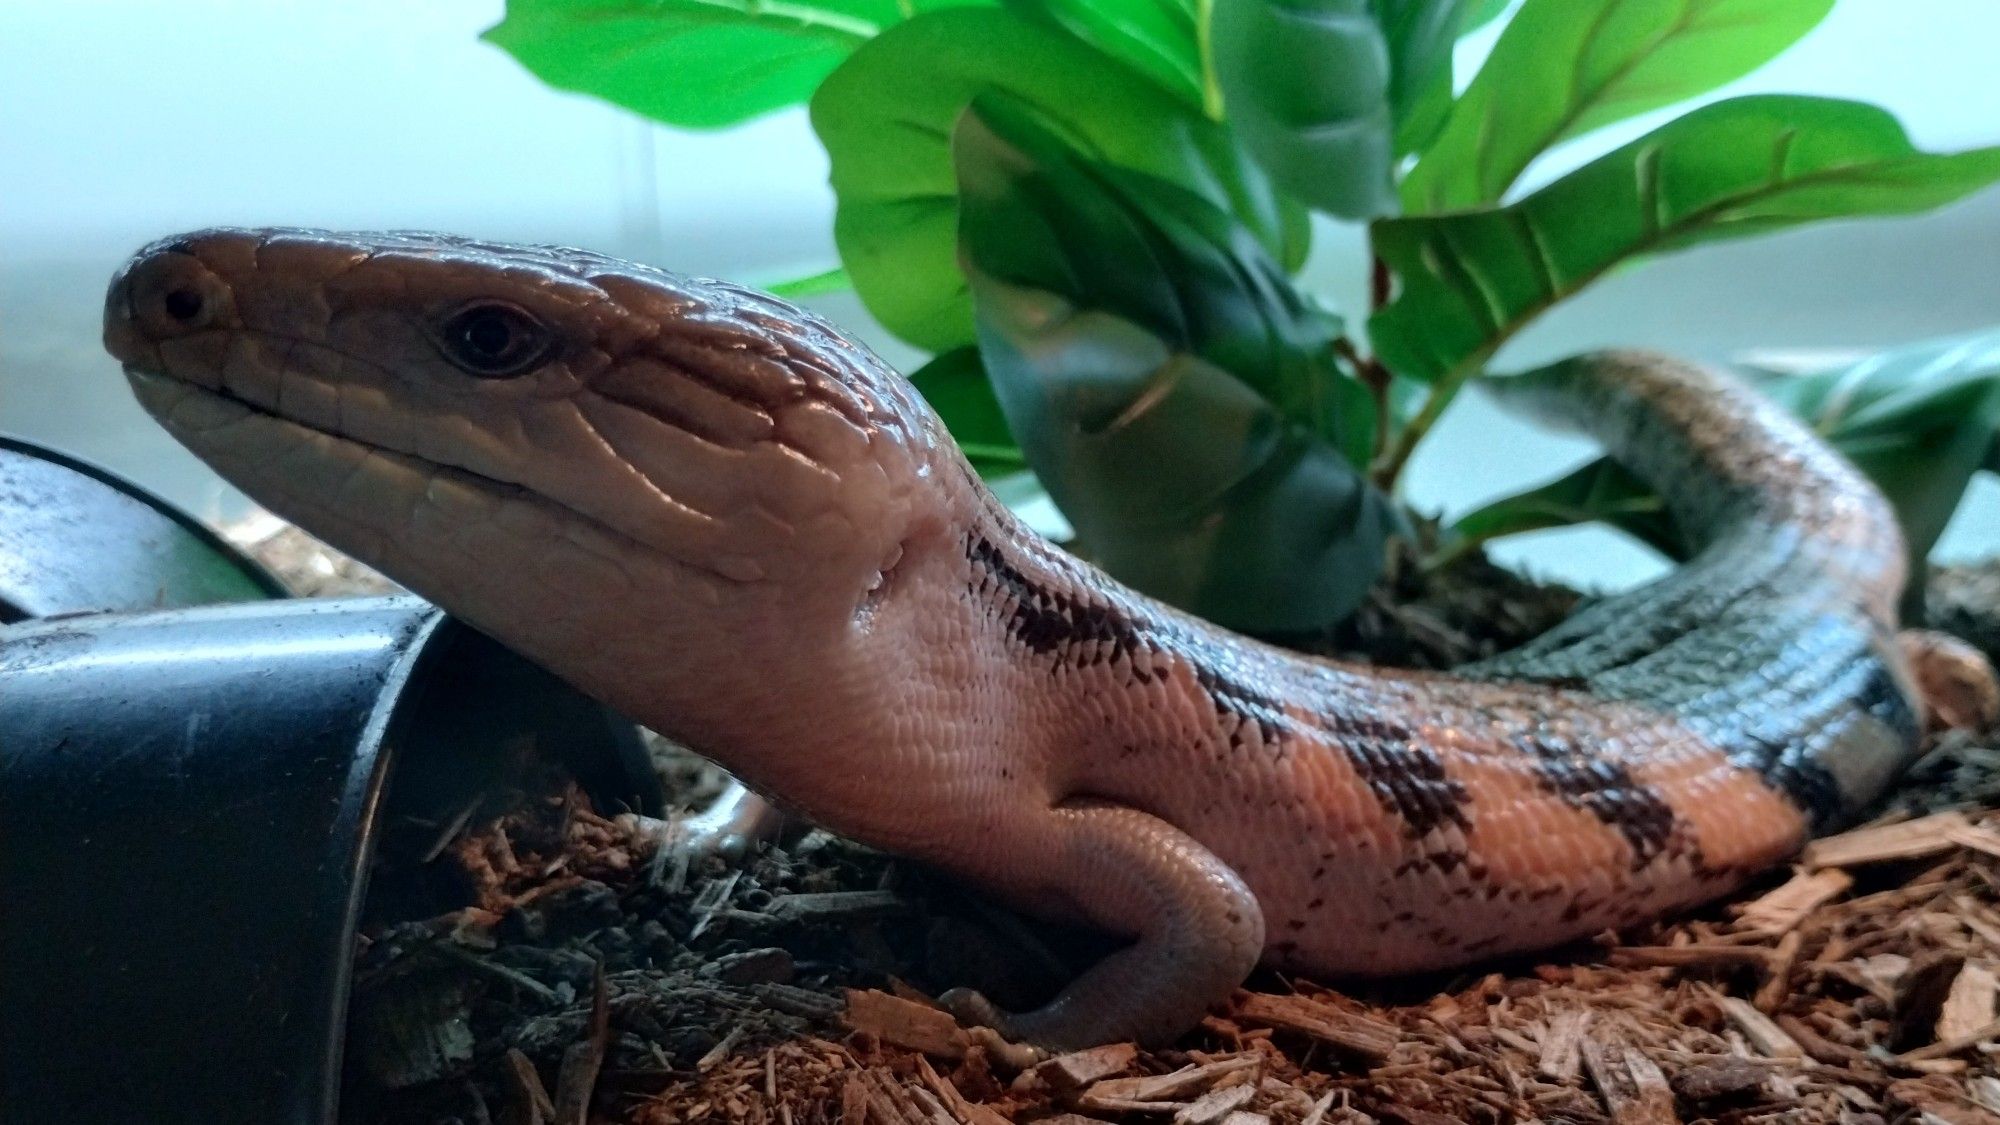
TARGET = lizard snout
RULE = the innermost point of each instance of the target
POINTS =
(162, 294)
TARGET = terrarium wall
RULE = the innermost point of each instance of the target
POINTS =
(127, 118)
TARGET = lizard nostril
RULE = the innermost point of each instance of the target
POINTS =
(182, 304)
(168, 295)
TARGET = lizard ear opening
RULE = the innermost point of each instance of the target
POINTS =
(493, 340)
(879, 586)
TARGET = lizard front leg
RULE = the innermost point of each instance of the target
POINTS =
(1198, 930)
(732, 825)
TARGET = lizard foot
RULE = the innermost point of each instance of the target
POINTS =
(993, 1028)
(730, 828)
(1198, 929)
(971, 1007)
(736, 823)
(1956, 681)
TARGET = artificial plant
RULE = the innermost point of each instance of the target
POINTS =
(1092, 211)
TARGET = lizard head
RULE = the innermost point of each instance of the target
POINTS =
(606, 465)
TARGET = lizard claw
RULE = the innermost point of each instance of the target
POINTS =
(728, 830)
(736, 823)
(970, 1006)
(992, 1028)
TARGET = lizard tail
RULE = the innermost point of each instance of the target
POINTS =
(1777, 640)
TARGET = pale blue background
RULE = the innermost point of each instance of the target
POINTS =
(127, 119)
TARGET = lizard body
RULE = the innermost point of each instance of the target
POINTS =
(720, 515)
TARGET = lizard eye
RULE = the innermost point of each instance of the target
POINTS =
(493, 340)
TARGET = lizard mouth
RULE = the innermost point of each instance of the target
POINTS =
(164, 396)
(199, 416)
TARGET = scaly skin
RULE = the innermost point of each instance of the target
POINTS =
(721, 516)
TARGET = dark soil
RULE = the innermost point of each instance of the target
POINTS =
(1437, 619)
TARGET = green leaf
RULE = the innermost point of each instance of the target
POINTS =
(1157, 38)
(819, 284)
(956, 386)
(1420, 35)
(1918, 420)
(1601, 491)
(700, 64)
(886, 119)
(1161, 256)
(1306, 84)
(1565, 67)
(1162, 377)
(1744, 166)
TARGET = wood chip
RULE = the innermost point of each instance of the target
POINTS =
(1363, 1036)
(1216, 1105)
(1777, 986)
(1911, 839)
(1191, 1080)
(1562, 1045)
(1690, 956)
(1985, 1090)
(1723, 1077)
(1969, 1005)
(576, 1079)
(1979, 920)
(1769, 1039)
(854, 1100)
(709, 901)
(1078, 1069)
(528, 1101)
(1883, 973)
(962, 1109)
(1319, 1109)
(1634, 1089)
(1104, 1103)
(1317, 1113)
(889, 1103)
(724, 1047)
(1939, 1102)
(1245, 1117)
(1978, 837)
(905, 1023)
(1411, 1115)
(800, 1001)
(833, 906)
(931, 1106)
(1781, 910)
(1819, 1048)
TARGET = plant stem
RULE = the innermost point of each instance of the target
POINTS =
(1372, 375)
(1389, 468)
(1211, 90)
(1450, 552)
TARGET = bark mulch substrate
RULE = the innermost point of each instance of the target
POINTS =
(585, 972)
